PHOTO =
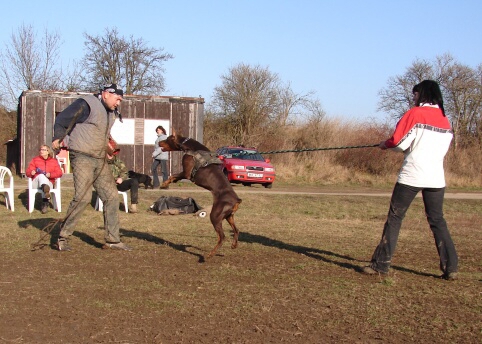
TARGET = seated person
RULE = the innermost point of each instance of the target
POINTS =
(124, 183)
(44, 169)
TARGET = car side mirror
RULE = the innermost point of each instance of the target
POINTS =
(267, 160)
(220, 157)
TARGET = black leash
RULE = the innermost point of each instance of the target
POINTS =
(318, 149)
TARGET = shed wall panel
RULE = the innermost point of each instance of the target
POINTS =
(38, 110)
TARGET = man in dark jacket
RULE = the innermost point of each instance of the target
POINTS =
(85, 126)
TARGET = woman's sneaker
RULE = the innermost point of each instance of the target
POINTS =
(451, 276)
(368, 270)
(117, 246)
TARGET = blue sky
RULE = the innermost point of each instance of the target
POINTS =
(345, 51)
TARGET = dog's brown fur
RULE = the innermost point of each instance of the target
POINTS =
(210, 177)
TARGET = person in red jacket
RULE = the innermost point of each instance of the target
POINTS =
(44, 169)
(423, 134)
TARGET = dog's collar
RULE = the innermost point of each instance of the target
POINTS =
(185, 140)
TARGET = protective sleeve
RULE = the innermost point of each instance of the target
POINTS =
(402, 138)
(64, 118)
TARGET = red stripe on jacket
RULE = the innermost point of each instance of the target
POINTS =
(417, 115)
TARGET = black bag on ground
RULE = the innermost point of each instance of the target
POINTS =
(182, 205)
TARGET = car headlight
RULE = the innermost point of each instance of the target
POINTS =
(237, 167)
(269, 169)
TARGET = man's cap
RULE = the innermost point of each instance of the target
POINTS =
(112, 88)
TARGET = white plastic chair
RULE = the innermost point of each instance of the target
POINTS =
(54, 192)
(62, 164)
(7, 191)
(99, 205)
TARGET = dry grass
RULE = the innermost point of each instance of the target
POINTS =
(365, 166)
(292, 279)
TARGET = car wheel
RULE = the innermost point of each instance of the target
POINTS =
(226, 174)
(247, 184)
(268, 185)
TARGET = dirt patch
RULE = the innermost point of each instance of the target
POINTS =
(293, 279)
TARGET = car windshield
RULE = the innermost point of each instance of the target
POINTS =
(244, 154)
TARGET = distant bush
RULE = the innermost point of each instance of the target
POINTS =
(365, 166)
(369, 160)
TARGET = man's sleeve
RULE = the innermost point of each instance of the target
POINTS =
(64, 118)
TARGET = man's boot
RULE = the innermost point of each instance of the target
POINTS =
(133, 208)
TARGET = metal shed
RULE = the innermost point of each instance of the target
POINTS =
(135, 135)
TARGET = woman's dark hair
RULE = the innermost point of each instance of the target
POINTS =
(162, 129)
(429, 93)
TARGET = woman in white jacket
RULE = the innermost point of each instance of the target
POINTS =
(159, 157)
(423, 134)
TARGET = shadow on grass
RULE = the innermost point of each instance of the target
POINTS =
(23, 198)
(420, 273)
(49, 230)
(323, 255)
(160, 241)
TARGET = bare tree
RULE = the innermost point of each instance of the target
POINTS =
(247, 99)
(396, 98)
(253, 107)
(29, 63)
(461, 86)
(74, 78)
(128, 62)
(294, 105)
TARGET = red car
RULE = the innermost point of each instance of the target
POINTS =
(246, 166)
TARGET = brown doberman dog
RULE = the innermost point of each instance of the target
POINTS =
(202, 167)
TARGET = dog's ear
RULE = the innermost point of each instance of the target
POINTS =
(176, 134)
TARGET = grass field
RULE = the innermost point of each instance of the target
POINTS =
(293, 278)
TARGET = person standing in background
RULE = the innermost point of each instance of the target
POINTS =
(159, 157)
